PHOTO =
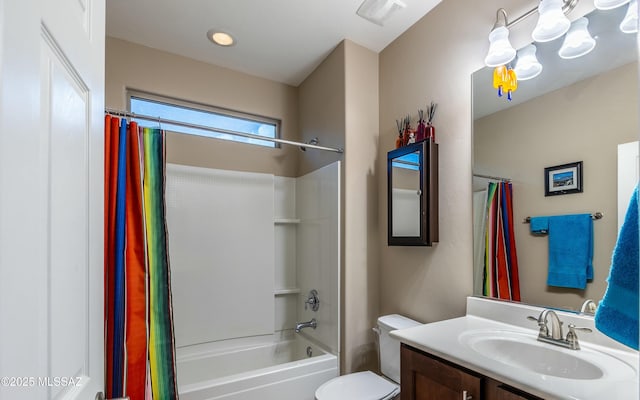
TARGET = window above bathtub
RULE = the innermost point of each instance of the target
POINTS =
(204, 115)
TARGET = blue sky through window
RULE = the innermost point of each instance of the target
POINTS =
(408, 161)
(201, 117)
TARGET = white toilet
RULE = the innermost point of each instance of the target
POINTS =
(367, 385)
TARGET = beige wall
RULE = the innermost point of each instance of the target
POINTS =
(322, 110)
(582, 122)
(434, 60)
(339, 105)
(361, 275)
(129, 65)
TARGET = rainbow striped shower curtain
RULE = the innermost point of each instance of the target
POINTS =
(139, 341)
(500, 259)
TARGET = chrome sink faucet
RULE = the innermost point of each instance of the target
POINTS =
(549, 316)
(589, 307)
(309, 324)
(556, 324)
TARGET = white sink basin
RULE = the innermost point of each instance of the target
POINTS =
(523, 351)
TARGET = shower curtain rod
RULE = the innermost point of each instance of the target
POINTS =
(128, 114)
(497, 178)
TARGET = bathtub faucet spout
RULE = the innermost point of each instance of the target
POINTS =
(310, 324)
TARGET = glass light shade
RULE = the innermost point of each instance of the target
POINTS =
(552, 22)
(609, 4)
(578, 41)
(630, 22)
(527, 67)
(500, 50)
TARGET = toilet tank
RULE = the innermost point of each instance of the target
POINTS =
(389, 347)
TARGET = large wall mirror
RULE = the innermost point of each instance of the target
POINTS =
(580, 109)
(412, 174)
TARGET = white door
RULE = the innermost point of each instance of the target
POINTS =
(51, 198)
(628, 175)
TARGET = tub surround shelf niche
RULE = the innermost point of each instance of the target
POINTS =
(286, 221)
(285, 292)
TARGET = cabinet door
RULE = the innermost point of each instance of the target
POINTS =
(499, 391)
(425, 377)
(412, 195)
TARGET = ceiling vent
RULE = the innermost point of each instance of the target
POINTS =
(378, 11)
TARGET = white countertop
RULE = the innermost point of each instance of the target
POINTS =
(443, 339)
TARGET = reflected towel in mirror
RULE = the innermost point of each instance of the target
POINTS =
(617, 314)
(570, 248)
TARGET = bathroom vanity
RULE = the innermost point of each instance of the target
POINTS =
(426, 377)
(493, 353)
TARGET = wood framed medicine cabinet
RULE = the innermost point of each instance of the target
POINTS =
(412, 194)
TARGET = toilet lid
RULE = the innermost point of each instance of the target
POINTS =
(358, 386)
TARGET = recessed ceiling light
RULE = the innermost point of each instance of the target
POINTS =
(220, 38)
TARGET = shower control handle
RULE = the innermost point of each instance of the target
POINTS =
(312, 300)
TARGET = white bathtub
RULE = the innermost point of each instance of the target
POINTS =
(254, 369)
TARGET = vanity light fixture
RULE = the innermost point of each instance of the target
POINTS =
(527, 67)
(220, 38)
(578, 41)
(501, 51)
(630, 22)
(552, 22)
(609, 4)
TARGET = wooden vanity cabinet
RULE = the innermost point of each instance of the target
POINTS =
(495, 390)
(427, 377)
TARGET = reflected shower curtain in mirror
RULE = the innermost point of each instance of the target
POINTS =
(500, 259)
(139, 340)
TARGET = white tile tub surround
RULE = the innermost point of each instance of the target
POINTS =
(259, 368)
(318, 252)
(259, 362)
(221, 247)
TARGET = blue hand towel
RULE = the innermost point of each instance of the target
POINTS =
(570, 251)
(570, 248)
(617, 314)
(539, 225)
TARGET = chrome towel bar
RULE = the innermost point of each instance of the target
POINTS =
(594, 216)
